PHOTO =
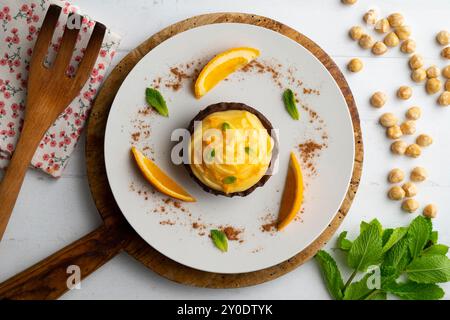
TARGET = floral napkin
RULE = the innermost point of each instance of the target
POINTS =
(20, 21)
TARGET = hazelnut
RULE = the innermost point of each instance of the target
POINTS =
(430, 211)
(443, 37)
(378, 99)
(410, 205)
(410, 189)
(408, 127)
(349, 2)
(398, 147)
(370, 17)
(445, 53)
(444, 98)
(382, 26)
(418, 75)
(394, 132)
(403, 32)
(413, 113)
(447, 85)
(416, 62)
(388, 120)
(396, 20)
(446, 72)
(424, 140)
(408, 46)
(355, 65)
(366, 41)
(433, 85)
(413, 151)
(433, 72)
(396, 175)
(379, 48)
(391, 39)
(396, 193)
(404, 92)
(418, 174)
(356, 32)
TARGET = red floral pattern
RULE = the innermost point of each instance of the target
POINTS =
(20, 21)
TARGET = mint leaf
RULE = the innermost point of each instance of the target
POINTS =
(289, 103)
(226, 126)
(364, 290)
(156, 100)
(331, 274)
(364, 225)
(415, 291)
(343, 243)
(395, 236)
(366, 249)
(229, 180)
(398, 256)
(419, 233)
(429, 269)
(380, 295)
(358, 290)
(220, 240)
(433, 238)
(386, 235)
(439, 249)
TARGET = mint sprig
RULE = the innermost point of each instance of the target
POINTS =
(406, 262)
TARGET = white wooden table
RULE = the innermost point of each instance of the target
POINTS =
(52, 213)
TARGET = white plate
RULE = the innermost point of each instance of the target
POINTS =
(324, 192)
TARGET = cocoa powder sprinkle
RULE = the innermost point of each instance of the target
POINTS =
(232, 233)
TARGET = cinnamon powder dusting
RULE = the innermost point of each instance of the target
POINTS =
(269, 227)
(232, 233)
(269, 224)
(179, 75)
(167, 223)
(261, 67)
(309, 153)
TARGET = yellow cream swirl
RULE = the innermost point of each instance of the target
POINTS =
(230, 151)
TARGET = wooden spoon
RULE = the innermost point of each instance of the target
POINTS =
(50, 90)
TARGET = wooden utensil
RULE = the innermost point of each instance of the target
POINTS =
(47, 279)
(50, 90)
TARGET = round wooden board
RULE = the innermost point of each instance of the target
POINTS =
(108, 208)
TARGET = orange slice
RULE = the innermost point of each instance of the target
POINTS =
(221, 66)
(292, 194)
(161, 181)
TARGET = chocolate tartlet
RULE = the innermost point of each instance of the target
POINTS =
(231, 179)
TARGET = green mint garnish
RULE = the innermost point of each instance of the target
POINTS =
(409, 261)
(156, 100)
(213, 153)
(289, 103)
(220, 240)
(229, 180)
(225, 126)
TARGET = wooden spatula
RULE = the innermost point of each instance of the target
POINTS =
(50, 90)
